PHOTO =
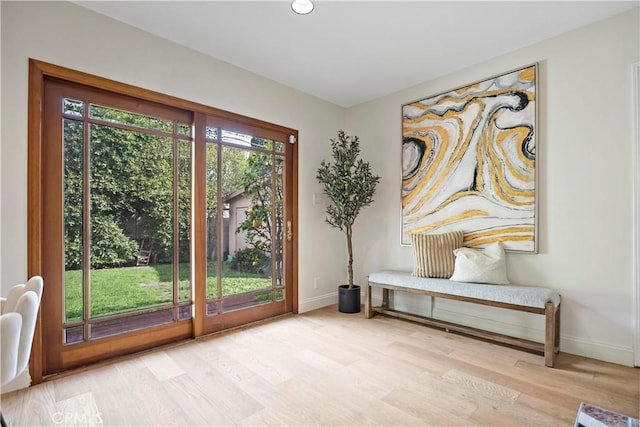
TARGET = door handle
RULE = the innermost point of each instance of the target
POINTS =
(289, 234)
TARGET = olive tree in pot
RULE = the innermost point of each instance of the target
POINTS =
(350, 185)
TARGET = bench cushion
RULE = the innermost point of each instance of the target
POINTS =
(527, 296)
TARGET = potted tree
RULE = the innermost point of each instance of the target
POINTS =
(350, 185)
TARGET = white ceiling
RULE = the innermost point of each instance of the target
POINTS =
(349, 52)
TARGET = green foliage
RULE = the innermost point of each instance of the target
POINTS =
(251, 260)
(264, 221)
(110, 247)
(131, 176)
(350, 186)
(348, 182)
(257, 183)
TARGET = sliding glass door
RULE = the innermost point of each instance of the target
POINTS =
(247, 187)
(159, 223)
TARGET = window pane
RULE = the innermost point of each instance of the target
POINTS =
(267, 144)
(211, 133)
(236, 138)
(73, 334)
(184, 220)
(212, 223)
(212, 308)
(248, 191)
(127, 118)
(110, 327)
(246, 140)
(184, 312)
(131, 201)
(281, 230)
(280, 147)
(73, 107)
(73, 218)
(184, 129)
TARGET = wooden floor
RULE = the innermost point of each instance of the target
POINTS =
(327, 368)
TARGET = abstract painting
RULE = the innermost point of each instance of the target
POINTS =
(469, 162)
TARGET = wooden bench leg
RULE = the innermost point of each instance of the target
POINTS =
(368, 312)
(551, 333)
(556, 343)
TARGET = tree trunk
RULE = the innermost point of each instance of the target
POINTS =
(350, 249)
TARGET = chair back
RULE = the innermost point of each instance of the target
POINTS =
(18, 322)
(34, 284)
(10, 324)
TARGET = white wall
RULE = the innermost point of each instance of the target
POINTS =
(586, 174)
(68, 35)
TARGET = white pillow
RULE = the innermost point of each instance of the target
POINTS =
(486, 265)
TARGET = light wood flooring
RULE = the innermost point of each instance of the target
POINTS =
(327, 368)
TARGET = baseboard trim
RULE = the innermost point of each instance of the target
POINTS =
(315, 303)
(597, 350)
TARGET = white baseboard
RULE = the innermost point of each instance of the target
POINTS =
(597, 350)
(315, 303)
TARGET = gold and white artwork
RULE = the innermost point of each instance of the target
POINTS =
(469, 162)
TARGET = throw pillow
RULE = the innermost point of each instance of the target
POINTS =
(434, 253)
(486, 265)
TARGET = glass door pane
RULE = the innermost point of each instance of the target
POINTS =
(184, 227)
(73, 181)
(127, 218)
(247, 274)
(251, 197)
(282, 228)
(212, 226)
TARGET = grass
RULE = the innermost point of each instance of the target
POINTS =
(117, 290)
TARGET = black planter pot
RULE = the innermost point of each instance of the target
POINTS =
(349, 299)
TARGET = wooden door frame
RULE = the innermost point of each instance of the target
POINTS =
(636, 225)
(38, 71)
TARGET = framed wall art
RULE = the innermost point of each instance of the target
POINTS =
(469, 162)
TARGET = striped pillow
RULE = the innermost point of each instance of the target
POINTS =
(434, 253)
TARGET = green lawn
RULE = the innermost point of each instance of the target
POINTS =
(116, 290)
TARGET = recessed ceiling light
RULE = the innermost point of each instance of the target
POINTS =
(302, 7)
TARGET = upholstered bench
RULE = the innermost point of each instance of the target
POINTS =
(521, 298)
